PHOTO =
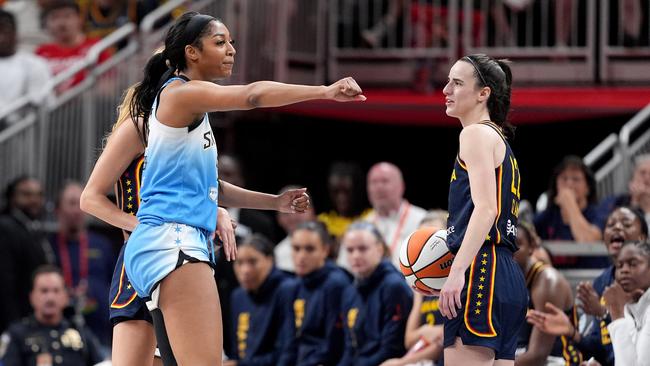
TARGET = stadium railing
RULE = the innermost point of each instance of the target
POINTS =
(623, 58)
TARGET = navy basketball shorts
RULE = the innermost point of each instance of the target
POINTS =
(125, 304)
(495, 300)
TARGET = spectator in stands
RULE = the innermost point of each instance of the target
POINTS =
(436, 218)
(424, 328)
(572, 212)
(248, 222)
(258, 307)
(345, 186)
(23, 73)
(289, 222)
(387, 23)
(47, 337)
(23, 247)
(69, 44)
(101, 17)
(86, 259)
(501, 12)
(623, 225)
(628, 303)
(633, 18)
(545, 286)
(317, 336)
(393, 215)
(639, 189)
(28, 19)
(375, 309)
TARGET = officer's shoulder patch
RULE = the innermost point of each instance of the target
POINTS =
(5, 338)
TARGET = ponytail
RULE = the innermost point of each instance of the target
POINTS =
(146, 91)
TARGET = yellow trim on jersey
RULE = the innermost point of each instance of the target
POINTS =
(492, 332)
(119, 197)
(491, 297)
(495, 127)
(114, 304)
(534, 270)
(469, 294)
(138, 173)
(499, 196)
(565, 351)
(461, 163)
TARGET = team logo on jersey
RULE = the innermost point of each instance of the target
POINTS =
(511, 229)
(214, 193)
(451, 230)
(208, 140)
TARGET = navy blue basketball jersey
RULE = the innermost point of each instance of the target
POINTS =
(504, 230)
(127, 188)
(430, 311)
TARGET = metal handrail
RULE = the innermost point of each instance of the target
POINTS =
(633, 125)
(15, 105)
(148, 22)
(605, 146)
(572, 248)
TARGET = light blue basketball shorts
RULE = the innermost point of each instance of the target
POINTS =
(154, 251)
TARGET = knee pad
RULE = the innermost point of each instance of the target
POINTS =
(164, 347)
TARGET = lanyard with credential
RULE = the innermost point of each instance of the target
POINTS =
(66, 265)
(400, 225)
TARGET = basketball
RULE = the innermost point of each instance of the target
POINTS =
(425, 260)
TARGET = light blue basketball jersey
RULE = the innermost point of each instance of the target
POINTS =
(179, 180)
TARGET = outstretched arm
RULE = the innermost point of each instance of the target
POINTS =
(185, 102)
(291, 201)
(122, 147)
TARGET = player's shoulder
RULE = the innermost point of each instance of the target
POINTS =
(479, 132)
(550, 283)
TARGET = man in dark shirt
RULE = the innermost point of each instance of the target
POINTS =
(23, 247)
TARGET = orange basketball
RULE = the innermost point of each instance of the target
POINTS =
(425, 260)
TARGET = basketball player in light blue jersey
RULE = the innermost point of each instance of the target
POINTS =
(484, 298)
(120, 165)
(168, 258)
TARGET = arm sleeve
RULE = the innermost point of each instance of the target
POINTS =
(398, 300)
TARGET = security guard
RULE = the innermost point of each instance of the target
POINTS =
(46, 338)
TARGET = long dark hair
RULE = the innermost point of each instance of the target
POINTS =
(189, 29)
(572, 161)
(496, 75)
(258, 242)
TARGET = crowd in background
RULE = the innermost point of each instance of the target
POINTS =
(307, 282)
(324, 280)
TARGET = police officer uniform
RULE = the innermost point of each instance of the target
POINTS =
(30, 343)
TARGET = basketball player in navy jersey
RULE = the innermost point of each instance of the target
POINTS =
(169, 257)
(484, 298)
